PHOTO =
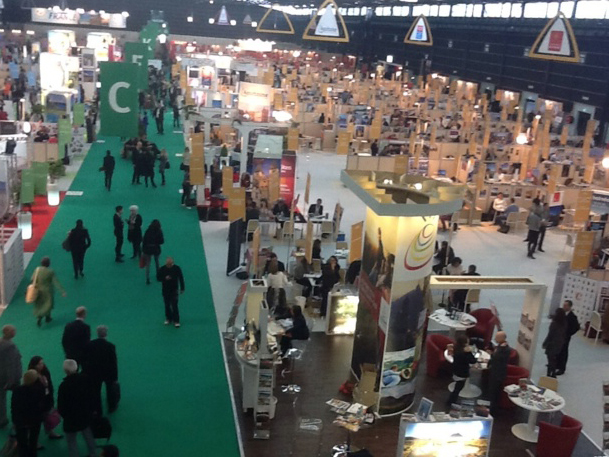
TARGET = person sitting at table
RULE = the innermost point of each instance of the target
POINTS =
(330, 275)
(281, 209)
(273, 257)
(444, 256)
(302, 268)
(316, 209)
(299, 330)
(454, 268)
(499, 205)
(276, 281)
(513, 208)
(460, 295)
(462, 359)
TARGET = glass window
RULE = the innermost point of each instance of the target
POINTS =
(516, 10)
(552, 9)
(591, 10)
(567, 8)
(492, 10)
(378, 11)
(444, 10)
(458, 10)
(478, 10)
(397, 11)
(433, 10)
(535, 10)
(420, 9)
(506, 9)
(386, 11)
(405, 10)
(363, 11)
(342, 11)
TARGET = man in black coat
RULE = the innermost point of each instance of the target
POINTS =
(79, 241)
(572, 329)
(497, 367)
(135, 160)
(108, 167)
(76, 335)
(316, 209)
(170, 275)
(74, 406)
(101, 366)
(26, 412)
(118, 233)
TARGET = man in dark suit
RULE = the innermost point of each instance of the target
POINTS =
(118, 233)
(74, 406)
(108, 167)
(497, 368)
(572, 329)
(79, 241)
(316, 209)
(101, 366)
(76, 335)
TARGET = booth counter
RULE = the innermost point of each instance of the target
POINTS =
(367, 162)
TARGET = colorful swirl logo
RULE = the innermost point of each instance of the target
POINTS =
(420, 251)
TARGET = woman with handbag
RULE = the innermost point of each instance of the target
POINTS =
(153, 239)
(50, 416)
(45, 281)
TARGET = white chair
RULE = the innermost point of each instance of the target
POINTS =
(513, 219)
(596, 324)
(327, 228)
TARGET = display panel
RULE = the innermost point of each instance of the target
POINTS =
(468, 438)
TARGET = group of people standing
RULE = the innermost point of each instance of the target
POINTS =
(88, 365)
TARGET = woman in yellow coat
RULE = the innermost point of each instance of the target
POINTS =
(45, 281)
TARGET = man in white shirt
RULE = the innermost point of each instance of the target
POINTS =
(499, 205)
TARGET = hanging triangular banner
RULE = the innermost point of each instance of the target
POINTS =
(223, 18)
(419, 33)
(324, 25)
(247, 20)
(556, 41)
(265, 26)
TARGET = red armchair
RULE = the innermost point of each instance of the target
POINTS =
(436, 345)
(558, 440)
(484, 327)
(514, 374)
(514, 357)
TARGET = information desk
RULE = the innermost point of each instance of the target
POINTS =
(341, 315)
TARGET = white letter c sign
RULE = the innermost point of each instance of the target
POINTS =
(112, 97)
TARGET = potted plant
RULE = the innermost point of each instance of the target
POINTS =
(56, 170)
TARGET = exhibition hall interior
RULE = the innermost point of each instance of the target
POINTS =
(348, 228)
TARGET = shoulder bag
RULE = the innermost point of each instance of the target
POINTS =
(31, 292)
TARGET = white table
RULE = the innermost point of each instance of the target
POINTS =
(469, 390)
(530, 432)
(440, 316)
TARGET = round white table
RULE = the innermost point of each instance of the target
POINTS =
(470, 390)
(530, 432)
(466, 321)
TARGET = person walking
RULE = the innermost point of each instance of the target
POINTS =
(75, 407)
(118, 233)
(163, 165)
(159, 113)
(148, 168)
(45, 385)
(462, 360)
(186, 188)
(134, 231)
(534, 225)
(135, 161)
(176, 115)
(100, 364)
(79, 241)
(45, 280)
(26, 413)
(498, 370)
(545, 220)
(10, 368)
(170, 275)
(151, 246)
(76, 335)
(555, 340)
(572, 328)
(108, 167)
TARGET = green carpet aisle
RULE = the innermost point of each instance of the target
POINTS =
(175, 396)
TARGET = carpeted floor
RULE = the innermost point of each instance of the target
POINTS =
(175, 397)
